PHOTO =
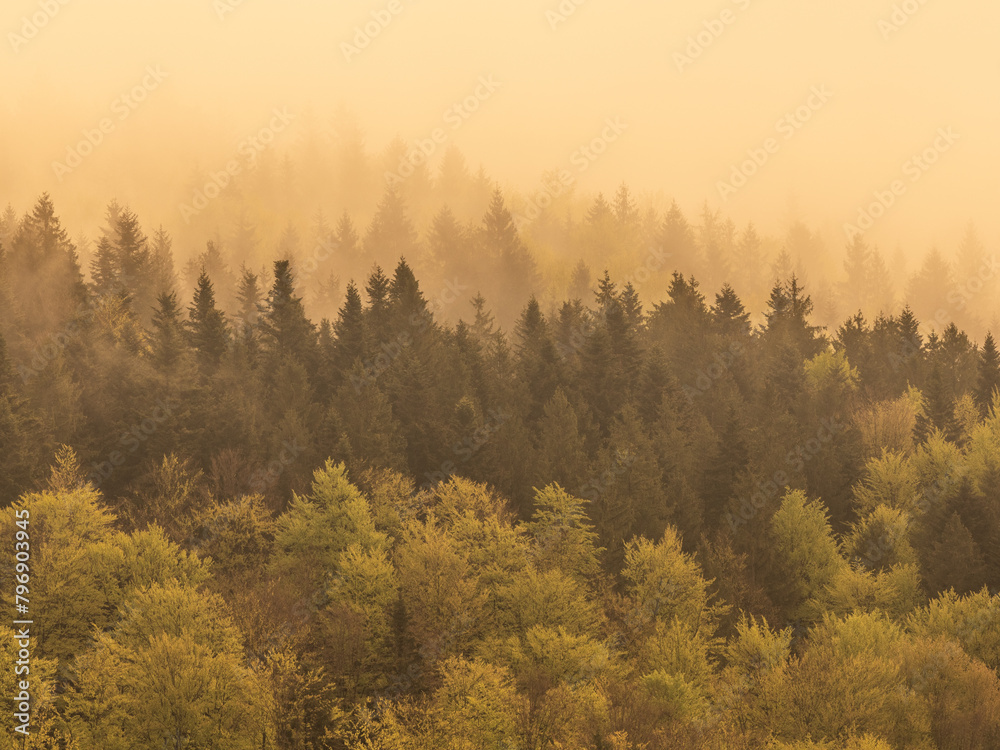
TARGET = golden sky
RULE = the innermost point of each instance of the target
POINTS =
(697, 88)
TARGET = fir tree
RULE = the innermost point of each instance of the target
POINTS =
(349, 332)
(168, 332)
(287, 331)
(208, 331)
(989, 375)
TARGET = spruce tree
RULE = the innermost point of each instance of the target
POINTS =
(729, 317)
(624, 208)
(513, 268)
(168, 332)
(939, 408)
(349, 334)
(287, 332)
(207, 328)
(989, 375)
(579, 285)
(377, 314)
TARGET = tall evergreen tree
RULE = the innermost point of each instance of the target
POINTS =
(939, 408)
(168, 332)
(207, 328)
(349, 332)
(44, 267)
(162, 263)
(729, 317)
(377, 314)
(989, 375)
(287, 332)
(513, 267)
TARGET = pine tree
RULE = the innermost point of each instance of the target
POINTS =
(677, 238)
(287, 331)
(168, 332)
(929, 289)
(482, 325)
(162, 263)
(247, 327)
(538, 358)
(857, 265)
(939, 408)
(408, 308)
(349, 332)
(681, 324)
(606, 294)
(347, 241)
(955, 561)
(729, 462)
(377, 314)
(45, 269)
(579, 285)
(447, 246)
(624, 207)
(391, 233)
(989, 375)
(788, 319)
(513, 267)
(750, 275)
(20, 436)
(208, 331)
(562, 456)
(729, 317)
(632, 309)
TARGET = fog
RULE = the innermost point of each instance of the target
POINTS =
(522, 89)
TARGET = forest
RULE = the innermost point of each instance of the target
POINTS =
(422, 488)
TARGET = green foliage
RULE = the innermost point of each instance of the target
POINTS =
(396, 529)
(318, 528)
(562, 535)
(806, 555)
(666, 583)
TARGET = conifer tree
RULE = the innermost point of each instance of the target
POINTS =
(989, 375)
(168, 328)
(208, 331)
(729, 316)
(377, 314)
(349, 332)
(287, 332)
(579, 285)
(939, 408)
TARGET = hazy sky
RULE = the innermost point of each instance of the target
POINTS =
(887, 96)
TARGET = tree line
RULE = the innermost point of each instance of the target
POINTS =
(607, 525)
